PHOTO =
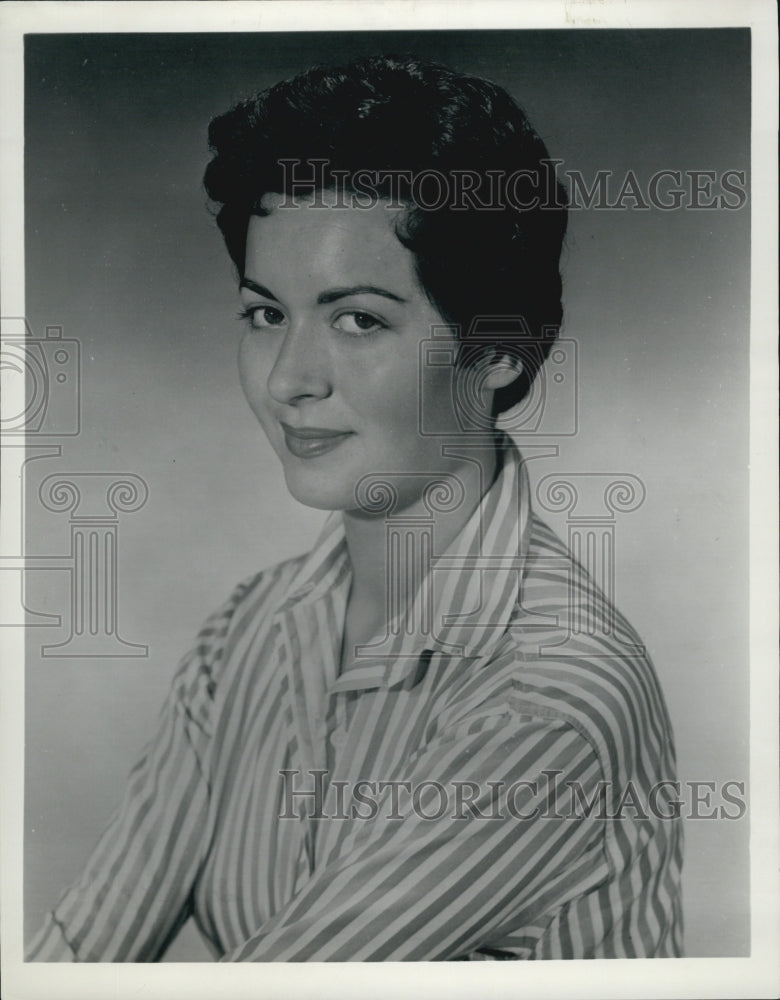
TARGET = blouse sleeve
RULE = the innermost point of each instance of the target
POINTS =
(134, 893)
(444, 879)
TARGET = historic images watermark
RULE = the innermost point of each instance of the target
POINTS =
(547, 799)
(460, 190)
(41, 408)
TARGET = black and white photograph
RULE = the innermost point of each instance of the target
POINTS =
(389, 502)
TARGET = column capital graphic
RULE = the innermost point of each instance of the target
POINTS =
(591, 496)
(91, 496)
(380, 493)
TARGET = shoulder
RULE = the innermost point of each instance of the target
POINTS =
(568, 655)
(250, 604)
(258, 596)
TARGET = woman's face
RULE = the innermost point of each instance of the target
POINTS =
(330, 360)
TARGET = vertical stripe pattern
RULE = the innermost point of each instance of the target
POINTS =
(419, 805)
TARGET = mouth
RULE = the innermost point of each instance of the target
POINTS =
(309, 442)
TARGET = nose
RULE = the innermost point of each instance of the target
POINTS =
(301, 369)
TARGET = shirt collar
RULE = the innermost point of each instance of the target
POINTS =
(324, 566)
(467, 597)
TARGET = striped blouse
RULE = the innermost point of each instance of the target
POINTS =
(487, 780)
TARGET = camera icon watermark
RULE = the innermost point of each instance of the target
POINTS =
(550, 406)
(41, 402)
(41, 381)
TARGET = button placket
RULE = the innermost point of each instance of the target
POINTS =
(338, 734)
(338, 737)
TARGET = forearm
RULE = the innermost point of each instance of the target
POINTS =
(426, 889)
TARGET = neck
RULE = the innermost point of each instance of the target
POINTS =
(367, 535)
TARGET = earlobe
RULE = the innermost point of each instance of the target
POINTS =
(503, 371)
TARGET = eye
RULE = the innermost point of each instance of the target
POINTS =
(262, 317)
(358, 324)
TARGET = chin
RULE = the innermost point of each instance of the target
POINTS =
(316, 491)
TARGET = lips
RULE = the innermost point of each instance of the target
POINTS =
(309, 442)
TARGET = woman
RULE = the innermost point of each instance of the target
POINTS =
(403, 745)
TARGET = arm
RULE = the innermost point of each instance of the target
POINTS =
(133, 894)
(439, 888)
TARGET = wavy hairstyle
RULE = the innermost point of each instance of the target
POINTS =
(494, 253)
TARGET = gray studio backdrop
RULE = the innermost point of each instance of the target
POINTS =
(122, 255)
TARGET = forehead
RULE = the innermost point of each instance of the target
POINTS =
(329, 239)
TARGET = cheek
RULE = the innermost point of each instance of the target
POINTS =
(254, 366)
(407, 408)
(388, 382)
(252, 370)
(396, 389)
(437, 394)
(387, 399)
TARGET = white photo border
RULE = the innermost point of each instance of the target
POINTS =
(734, 977)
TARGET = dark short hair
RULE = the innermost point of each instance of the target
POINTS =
(493, 253)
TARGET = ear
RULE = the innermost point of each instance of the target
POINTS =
(502, 371)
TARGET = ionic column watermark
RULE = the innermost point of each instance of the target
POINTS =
(94, 501)
(409, 550)
(591, 502)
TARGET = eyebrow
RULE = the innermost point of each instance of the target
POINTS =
(343, 293)
(254, 286)
(332, 295)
